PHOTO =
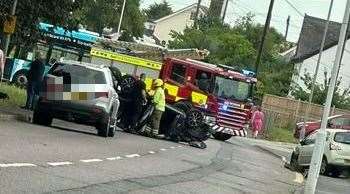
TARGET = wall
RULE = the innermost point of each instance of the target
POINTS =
(309, 66)
(177, 23)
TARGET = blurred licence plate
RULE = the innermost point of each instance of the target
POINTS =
(79, 96)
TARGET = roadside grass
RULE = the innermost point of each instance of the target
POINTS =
(280, 135)
(17, 96)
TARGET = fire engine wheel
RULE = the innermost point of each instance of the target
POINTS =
(222, 136)
(127, 83)
(195, 118)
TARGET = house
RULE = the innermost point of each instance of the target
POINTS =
(308, 48)
(178, 21)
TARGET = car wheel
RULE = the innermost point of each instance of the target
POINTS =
(112, 128)
(336, 172)
(21, 79)
(103, 128)
(294, 162)
(324, 170)
(222, 136)
(42, 118)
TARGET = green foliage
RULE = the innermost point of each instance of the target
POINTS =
(280, 135)
(17, 96)
(341, 99)
(99, 14)
(30, 12)
(158, 10)
(225, 45)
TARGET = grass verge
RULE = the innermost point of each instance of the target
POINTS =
(280, 135)
(17, 96)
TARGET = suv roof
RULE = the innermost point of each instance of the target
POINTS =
(79, 63)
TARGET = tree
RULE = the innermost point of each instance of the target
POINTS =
(30, 12)
(225, 45)
(341, 98)
(97, 15)
(158, 10)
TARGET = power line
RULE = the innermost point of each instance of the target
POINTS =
(296, 9)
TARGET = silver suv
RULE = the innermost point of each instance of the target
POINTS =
(79, 92)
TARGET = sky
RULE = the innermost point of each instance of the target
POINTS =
(238, 8)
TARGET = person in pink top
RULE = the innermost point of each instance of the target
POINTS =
(257, 121)
(2, 63)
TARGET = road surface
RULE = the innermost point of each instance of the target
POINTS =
(69, 158)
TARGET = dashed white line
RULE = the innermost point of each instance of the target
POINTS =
(179, 146)
(132, 155)
(59, 163)
(172, 147)
(91, 160)
(163, 149)
(114, 158)
(17, 165)
(151, 152)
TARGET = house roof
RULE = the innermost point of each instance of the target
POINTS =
(311, 37)
(205, 9)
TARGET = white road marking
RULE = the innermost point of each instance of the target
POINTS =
(132, 155)
(91, 160)
(151, 152)
(299, 178)
(115, 158)
(172, 147)
(179, 146)
(17, 165)
(59, 163)
(163, 149)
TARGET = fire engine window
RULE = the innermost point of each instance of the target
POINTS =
(178, 73)
(203, 80)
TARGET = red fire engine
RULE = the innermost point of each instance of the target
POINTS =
(224, 101)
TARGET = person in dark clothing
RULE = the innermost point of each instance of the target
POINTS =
(139, 99)
(35, 78)
(204, 82)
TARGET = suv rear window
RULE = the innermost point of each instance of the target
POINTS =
(75, 74)
(342, 137)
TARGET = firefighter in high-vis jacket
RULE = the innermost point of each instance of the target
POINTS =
(159, 106)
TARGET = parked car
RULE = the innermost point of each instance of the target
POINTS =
(79, 92)
(334, 122)
(336, 156)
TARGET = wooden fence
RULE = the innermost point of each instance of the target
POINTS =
(285, 112)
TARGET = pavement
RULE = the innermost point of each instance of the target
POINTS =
(70, 158)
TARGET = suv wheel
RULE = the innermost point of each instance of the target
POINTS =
(324, 170)
(105, 129)
(42, 118)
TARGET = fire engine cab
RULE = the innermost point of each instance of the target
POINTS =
(222, 93)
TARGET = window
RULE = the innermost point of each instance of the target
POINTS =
(342, 137)
(203, 80)
(193, 15)
(74, 74)
(178, 73)
(310, 139)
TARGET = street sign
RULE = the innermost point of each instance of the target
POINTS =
(10, 25)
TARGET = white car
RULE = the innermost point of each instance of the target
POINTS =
(336, 156)
(79, 92)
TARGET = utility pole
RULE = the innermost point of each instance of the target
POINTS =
(287, 28)
(223, 11)
(8, 36)
(266, 28)
(313, 175)
(307, 114)
(121, 19)
(197, 14)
